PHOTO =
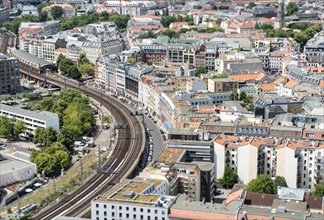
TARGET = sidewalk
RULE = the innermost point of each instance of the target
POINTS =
(103, 139)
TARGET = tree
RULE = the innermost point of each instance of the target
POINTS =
(43, 16)
(251, 5)
(41, 6)
(83, 59)
(234, 96)
(52, 159)
(120, 20)
(66, 137)
(64, 64)
(86, 69)
(291, 8)
(200, 70)
(318, 191)
(73, 72)
(146, 35)
(45, 105)
(214, 8)
(104, 16)
(45, 136)
(229, 178)
(59, 59)
(19, 127)
(131, 60)
(261, 184)
(279, 181)
(6, 127)
(57, 12)
(170, 33)
(243, 96)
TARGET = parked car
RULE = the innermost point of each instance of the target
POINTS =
(87, 139)
(161, 131)
(149, 159)
(164, 137)
(78, 143)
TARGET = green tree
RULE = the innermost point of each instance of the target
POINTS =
(45, 136)
(261, 184)
(200, 70)
(43, 16)
(67, 137)
(64, 64)
(243, 96)
(57, 12)
(146, 35)
(73, 72)
(170, 33)
(229, 178)
(86, 69)
(6, 127)
(251, 5)
(83, 59)
(104, 16)
(59, 59)
(214, 8)
(234, 96)
(318, 191)
(279, 181)
(291, 8)
(120, 20)
(41, 6)
(19, 127)
(131, 60)
(45, 105)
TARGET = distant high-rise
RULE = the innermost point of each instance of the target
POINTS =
(9, 75)
(280, 21)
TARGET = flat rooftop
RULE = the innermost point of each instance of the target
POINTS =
(11, 163)
(39, 115)
(31, 58)
(171, 155)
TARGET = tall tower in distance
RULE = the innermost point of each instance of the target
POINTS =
(280, 21)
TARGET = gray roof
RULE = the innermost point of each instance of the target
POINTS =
(291, 193)
(12, 163)
(105, 44)
(38, 115)
(20, 54)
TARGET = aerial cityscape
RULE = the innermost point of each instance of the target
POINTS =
(162, 109)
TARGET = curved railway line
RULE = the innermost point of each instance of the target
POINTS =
(123, 159)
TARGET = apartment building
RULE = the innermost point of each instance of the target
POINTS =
(33, 119)
(275, 61)
(152, 53)
(300, 162)
(136, 199)
(183, 51)
(222, 85)
(74, 50)
(314, 51)
(47, 28)
(49, 46)
(68, 10)
(10, 76)
(4, 15)
(94, 50)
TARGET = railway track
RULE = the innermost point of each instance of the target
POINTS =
(123, 159)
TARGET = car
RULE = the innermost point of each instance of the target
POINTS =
(151, 147)
(149, 158)
(155, 121)
(164, 138)
(147, 130)
(161, 131)
(87, 139)
(78, 143)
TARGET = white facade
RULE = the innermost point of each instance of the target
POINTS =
(287, 166)
(33, 119)
(247, 163)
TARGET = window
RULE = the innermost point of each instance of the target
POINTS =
(97, 212)
(127, 208)
(97, 205)
(149, 211)
(112, 207)
(141, 209)
(127, 215)
(105, 213)
(113, 214)
(105, 206)
(120, 208)
(134, 209)
(134, 216)
(120, 215)
(142, 217)
(156, 211)
(156, 218)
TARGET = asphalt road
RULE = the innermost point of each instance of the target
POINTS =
(156, 136)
